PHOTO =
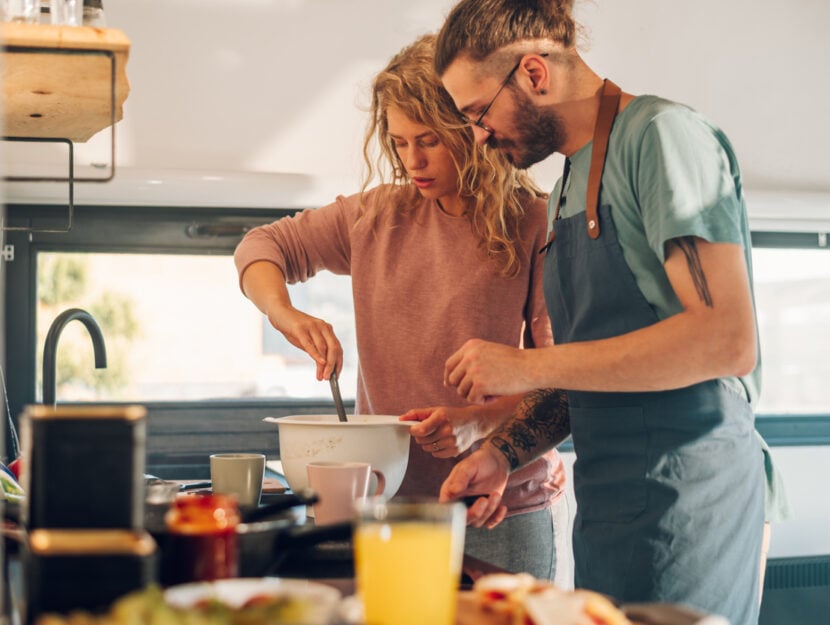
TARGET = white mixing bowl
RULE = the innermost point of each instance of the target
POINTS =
(380, 440)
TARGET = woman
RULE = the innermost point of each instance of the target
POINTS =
(445, 251)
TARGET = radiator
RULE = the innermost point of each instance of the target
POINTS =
(797, 591)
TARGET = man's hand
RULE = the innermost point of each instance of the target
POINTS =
(484, 472)
(481, 370)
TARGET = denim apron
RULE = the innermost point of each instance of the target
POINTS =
(668, 484)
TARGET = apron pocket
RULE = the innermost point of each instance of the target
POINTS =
(611, 462)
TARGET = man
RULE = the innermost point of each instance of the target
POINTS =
(648, 284)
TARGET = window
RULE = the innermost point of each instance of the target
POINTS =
(184, 341)
(178, 328)
(792, 292)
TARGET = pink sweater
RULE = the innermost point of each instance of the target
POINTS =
(422, 286)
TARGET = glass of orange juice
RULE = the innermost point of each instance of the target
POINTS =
(408, 555)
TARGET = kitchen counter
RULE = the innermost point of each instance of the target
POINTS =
(321, 568)
(298, 551)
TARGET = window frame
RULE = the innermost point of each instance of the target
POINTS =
(233, 425)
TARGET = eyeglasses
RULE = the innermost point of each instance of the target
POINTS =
(478, 122)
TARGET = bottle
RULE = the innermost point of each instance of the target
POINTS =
(201, 543)
(94, 14)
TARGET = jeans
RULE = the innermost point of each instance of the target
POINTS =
(535, 542)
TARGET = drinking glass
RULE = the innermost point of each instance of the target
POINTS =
(20, 11)
(408, 555)
(66, 12)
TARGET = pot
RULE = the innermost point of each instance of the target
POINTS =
(266, 537)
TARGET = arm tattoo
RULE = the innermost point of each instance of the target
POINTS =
(507, 451)
(688, 246)
(541, 422)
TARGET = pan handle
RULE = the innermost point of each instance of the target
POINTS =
(303, 535)
(298, 537)
(305, 497)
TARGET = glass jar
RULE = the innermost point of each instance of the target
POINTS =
(94, 14)
(202, 542)
(20, 11)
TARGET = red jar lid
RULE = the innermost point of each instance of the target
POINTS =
(202, 514)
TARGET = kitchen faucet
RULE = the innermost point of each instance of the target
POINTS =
(50, 348)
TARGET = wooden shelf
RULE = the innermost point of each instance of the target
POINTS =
(57, 80)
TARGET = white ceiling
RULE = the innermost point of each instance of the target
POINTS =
(263, 86)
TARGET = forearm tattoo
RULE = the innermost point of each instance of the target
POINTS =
(541, 422)
(688, 246)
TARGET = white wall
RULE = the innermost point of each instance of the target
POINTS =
(806, 473)
(281, 85)
(277, 86)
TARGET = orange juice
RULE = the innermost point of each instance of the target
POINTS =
(407, 572)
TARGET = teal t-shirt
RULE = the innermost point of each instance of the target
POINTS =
(668, 173)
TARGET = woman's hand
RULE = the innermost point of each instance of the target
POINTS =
(447, 432)
(312, 335)
(264, 284)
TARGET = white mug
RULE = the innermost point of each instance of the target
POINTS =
(338, 485)
(238, 474)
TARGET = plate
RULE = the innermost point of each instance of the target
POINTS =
(321, 600)
(470, 612)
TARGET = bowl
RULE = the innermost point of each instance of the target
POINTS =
(313, 603)
(380, 440)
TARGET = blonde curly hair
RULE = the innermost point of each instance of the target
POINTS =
(493, 190)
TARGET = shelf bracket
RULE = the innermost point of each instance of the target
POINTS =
(70, 178)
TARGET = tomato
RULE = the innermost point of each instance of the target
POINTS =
(495, 595)
(261, 599)
(15, 467)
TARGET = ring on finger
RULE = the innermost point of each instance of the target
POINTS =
(435, 446)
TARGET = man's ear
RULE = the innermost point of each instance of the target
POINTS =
(538, 72)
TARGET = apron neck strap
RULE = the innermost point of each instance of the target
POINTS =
(609, 103)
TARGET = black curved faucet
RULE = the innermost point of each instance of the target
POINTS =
(50, 347)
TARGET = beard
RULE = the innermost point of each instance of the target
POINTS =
(538, 133)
